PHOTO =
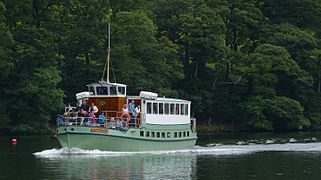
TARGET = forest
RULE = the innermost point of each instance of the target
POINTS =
(248, 64)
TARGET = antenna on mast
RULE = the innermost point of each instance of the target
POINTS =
(108, 58)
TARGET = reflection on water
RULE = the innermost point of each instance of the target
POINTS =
(180, 164)
(137, 166)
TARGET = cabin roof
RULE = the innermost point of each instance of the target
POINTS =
(103, 83)
(171, 99)
(159, 99)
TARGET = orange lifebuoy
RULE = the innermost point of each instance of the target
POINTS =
(122, 117)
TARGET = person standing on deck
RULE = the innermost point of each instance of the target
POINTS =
(131, 107)
(125, 109)
(137, 111)
(93, 108)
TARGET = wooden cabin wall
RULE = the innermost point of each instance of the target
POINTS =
(109, 104)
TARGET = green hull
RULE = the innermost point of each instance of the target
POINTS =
(135, 139)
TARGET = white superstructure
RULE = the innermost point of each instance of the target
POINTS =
(166, 111)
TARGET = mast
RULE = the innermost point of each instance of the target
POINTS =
(108, 55)
(107, 59)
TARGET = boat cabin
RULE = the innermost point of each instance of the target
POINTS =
(108, 97)
(111, 97)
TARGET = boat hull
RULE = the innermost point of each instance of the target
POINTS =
(89, 138)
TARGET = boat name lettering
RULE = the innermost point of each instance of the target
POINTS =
(99, 130)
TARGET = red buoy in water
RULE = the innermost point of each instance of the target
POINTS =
(14, 141)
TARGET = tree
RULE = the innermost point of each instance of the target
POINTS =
(6, 64)
(276, 113)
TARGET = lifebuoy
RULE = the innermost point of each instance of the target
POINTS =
(122, 117)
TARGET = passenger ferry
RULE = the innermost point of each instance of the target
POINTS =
(162, 123)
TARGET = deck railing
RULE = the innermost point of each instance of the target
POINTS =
(74, 118)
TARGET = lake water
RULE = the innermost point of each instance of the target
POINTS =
(216, 156)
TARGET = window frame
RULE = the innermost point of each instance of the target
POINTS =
(160, 108)
(186, 110)
(149, 108)
(176, 109)
(155, 108)
(112, 90)
(167, 111)
(172, 108)
(182, 109)
(102, 90)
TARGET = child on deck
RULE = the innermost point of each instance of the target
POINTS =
(102, 119)
(92, 117)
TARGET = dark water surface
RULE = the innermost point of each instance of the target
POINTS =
(216, 156)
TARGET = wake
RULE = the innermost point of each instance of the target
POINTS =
(210, 149)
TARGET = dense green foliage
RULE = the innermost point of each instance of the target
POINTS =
(254, 64)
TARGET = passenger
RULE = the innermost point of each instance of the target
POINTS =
(93, 108)
(92, 117)
(137, 111)
(125, 109)
(131, 107)
(102, 118)
(85, 121)
(119, 124)
(60, 120)
(84, 108)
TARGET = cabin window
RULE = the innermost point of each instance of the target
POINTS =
(182, 109)
(153, 134)
(147, 133)
(149, 108)
(141, 133)
(121, 90)
(184, 134)
(186, 109)
(180, 134)
(166, 108)
(163, 134)
(168, 134)
(177, 109)
(172, 108)
(175, 134)
(161, 109)
(101, 90)
(155, 108)
(187, 133)
(91, 90)
(112, 90)
(158, 134)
